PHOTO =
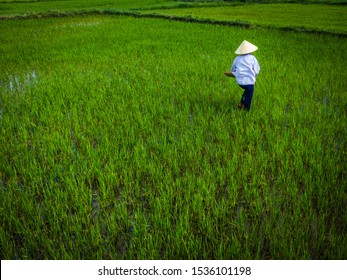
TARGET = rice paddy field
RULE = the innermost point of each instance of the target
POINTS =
(121, 138)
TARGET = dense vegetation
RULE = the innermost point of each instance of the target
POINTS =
(120, 139)
(318, 18)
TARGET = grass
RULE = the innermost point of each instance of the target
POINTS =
(319, 18)
(122, 141)
(314, 17)
(30, 7)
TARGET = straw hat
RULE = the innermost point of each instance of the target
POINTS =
(246, 47)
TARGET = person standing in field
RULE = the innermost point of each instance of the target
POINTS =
(245, 69)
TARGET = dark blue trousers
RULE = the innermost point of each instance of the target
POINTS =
(247, 96)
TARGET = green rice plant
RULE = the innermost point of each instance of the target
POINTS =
(11, 8)
(287, 16)
(121, 140)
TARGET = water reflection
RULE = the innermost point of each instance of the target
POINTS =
(19, 83)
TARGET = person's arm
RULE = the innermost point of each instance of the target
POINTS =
(232, 69)
(256, 67)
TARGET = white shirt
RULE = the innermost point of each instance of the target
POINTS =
(245, 69)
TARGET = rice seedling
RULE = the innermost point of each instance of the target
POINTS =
(291, 16)
(120, 139)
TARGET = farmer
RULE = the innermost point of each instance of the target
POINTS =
(245, 69)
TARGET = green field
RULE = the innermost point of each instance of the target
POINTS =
(121, 138)
(312, 17)
(13, 7)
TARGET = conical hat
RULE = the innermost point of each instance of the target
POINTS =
(246, 47)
